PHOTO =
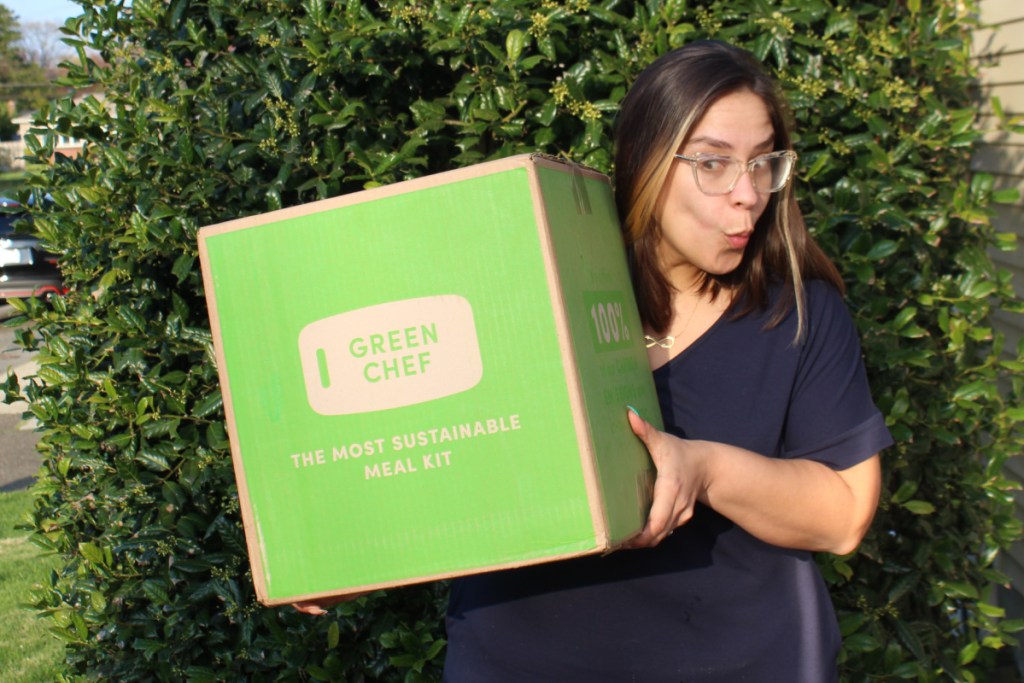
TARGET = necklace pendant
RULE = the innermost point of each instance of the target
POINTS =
(664, 342)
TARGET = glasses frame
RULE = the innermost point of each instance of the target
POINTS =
(748, 167)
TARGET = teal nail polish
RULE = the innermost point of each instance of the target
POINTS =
(634, 410)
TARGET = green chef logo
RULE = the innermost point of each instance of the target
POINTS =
(390, 355)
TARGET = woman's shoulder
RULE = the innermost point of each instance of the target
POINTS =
(820, 296)
(824, 308)
(829, 318)
(823, 294)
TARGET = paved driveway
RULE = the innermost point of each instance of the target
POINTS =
(19, 460)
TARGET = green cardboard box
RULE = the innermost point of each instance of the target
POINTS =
(430, 379)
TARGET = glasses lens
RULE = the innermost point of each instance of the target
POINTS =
(770, 173)
(715, 175)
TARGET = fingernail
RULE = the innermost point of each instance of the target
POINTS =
(634, 410)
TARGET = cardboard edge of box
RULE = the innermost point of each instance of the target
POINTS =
(358, 591)
(402, 187)
(591, 479)
(255, 559)
(603, 541)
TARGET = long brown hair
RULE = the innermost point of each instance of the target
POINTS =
(664, 105)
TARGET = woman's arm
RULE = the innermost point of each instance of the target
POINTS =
(794, 503)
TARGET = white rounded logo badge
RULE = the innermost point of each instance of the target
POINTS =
(390, 355)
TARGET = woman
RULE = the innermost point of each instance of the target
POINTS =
(771, 445)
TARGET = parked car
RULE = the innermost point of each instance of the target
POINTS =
(25, 268)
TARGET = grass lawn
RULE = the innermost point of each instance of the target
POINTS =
(28, 652)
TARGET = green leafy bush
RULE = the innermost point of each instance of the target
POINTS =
(216, 109)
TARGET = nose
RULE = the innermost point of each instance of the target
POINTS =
(744, 193)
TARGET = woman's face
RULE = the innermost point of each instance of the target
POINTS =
(707, 234)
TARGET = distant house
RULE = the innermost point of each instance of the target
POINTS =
(12, 152)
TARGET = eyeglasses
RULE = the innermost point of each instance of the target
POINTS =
(716, 174)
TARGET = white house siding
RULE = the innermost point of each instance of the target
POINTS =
(999, 49)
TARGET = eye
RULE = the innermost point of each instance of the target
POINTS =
(713, 164)
(766, 163)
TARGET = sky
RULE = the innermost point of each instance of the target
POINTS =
(42, 11)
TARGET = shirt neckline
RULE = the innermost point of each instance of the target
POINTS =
(696, 342)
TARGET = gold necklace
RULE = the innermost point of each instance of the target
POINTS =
(664, 342)
(669, 341)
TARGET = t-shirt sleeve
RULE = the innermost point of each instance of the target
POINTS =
(832, 418)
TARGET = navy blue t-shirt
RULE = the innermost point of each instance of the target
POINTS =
(711, 603)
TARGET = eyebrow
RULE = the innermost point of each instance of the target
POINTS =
(722, 144)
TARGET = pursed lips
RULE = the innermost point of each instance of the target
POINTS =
(738, 240)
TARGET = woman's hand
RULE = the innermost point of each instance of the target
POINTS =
(321, 605)
(679, 483)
